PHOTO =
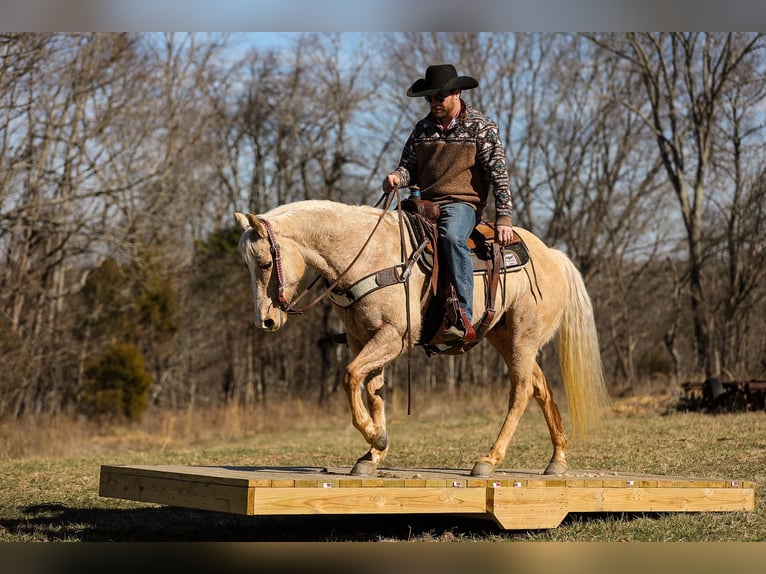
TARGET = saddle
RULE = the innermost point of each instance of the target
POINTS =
(488, 259)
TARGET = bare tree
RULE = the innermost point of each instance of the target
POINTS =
(124, 155)
(685, 78)
(61, 105)
(740, 180)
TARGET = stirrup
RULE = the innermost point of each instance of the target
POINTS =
(470, 333)
(452, 335)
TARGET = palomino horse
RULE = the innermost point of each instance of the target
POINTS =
(332, 238)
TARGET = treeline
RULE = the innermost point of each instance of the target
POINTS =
(124, 157)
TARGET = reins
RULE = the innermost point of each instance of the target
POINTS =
(403, 248)
(291, 309)
(392, 277)
(284, 304)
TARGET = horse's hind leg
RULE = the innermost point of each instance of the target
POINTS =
(544, 397)
(520, 369)
(527, 381)
(517, 404)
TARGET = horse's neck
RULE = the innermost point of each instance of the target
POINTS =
(329, 240)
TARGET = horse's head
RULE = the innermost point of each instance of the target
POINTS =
(276, 270)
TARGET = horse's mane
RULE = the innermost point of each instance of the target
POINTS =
(334, 208)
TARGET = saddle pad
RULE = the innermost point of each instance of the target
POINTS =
(515, 256)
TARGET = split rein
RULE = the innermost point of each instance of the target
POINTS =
(291, 309)
(287, 306)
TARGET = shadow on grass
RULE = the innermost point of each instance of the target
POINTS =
(58, 522)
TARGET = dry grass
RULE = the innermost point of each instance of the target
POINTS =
(41, 436)
(62, 435)
(49, 489)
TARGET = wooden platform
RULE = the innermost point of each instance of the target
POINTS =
(516, 500)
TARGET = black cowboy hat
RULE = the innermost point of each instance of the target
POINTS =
(441, 78)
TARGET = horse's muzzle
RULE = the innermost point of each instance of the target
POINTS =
(273, 321)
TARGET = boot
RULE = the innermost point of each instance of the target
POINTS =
(453, 334)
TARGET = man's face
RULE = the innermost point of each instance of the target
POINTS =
(444, 104)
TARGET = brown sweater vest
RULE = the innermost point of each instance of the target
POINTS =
(449, 172)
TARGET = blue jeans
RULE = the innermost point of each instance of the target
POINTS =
(456, 223)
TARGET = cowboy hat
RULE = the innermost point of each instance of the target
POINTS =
(440, 78)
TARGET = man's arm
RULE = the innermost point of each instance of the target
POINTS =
(491, 155)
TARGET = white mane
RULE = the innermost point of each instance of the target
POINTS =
(331, 208)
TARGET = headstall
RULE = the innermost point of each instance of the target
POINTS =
(284, 304)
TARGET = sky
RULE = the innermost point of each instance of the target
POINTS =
(381, 16)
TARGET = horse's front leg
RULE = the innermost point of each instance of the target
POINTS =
(365, 374)
(368, 464)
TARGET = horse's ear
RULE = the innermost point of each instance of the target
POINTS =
(246, 221)
(256, 224)
(241, 220)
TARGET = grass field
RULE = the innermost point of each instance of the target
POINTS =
(50, 470)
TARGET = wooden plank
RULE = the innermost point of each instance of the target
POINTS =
(546, 482)
(384, 500)
(527, 508)
(317, 483)
(659, 500)
(218, 475)
(236, 499)
(524, 508)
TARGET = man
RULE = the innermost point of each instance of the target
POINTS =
(454, 155)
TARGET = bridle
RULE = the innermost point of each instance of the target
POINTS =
(276, 254)
(291, 309)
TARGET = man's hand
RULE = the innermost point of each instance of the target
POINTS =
(503, 234)
(391, 183)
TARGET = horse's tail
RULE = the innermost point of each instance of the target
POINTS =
(580, 357)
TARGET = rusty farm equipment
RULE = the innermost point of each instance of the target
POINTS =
(714, 395)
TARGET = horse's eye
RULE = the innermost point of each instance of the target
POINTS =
(265, 266)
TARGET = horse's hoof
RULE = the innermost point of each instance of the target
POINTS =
(364, 468)
(556, 467)
(482, 469)
(380, 442)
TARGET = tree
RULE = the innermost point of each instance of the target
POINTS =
(116, 383)
(686, 78)
(125, 155)
(61, 95)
